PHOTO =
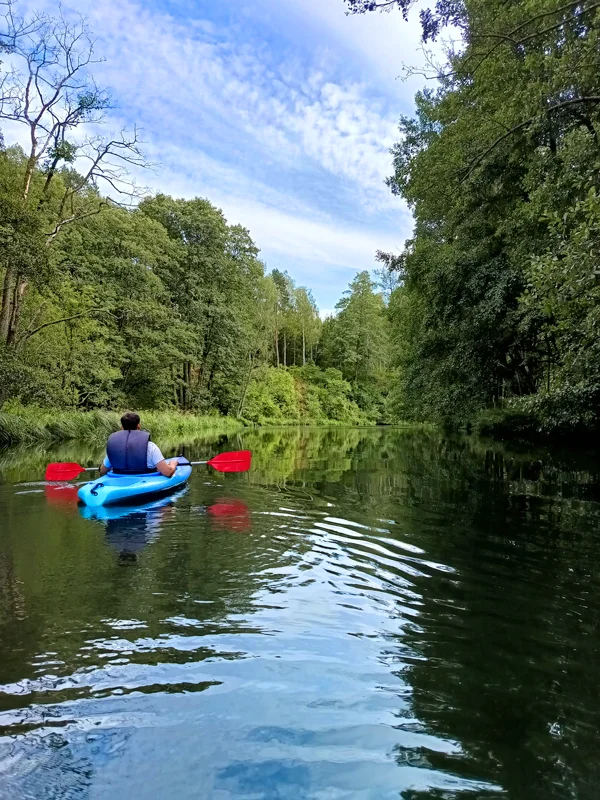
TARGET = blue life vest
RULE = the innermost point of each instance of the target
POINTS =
(127, 452)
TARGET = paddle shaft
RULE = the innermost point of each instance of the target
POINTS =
(191, 464)
(238, 461)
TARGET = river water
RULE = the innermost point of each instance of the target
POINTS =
(377, 613)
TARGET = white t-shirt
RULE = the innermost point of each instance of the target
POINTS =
(153, 456)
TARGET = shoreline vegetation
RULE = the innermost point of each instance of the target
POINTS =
(496, 323)
(30, 426)
(33, 426)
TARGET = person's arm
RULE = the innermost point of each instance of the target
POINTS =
(167, 468)
(158, 461)
(104, 466)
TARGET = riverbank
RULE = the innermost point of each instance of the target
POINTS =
(43, 426)
(48, 427)
(531, 423)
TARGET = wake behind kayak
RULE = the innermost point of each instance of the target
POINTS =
(111, 488)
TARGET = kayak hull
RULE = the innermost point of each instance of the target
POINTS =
(111, 488)
(144, 506)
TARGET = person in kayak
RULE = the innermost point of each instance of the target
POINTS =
(130, 451)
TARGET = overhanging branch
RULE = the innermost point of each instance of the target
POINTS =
(516, 128)
(28, 334)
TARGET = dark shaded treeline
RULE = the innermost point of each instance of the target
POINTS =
(500, 164)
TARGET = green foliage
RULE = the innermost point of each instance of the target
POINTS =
(133, 311)
(272, 396)
(357, 342)
(506, 423)
(29, 425)
(168, 307)
(563, 296)
(302, 395)
(498, 303)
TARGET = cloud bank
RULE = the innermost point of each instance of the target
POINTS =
(278, 118)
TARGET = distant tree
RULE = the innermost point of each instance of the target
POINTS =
(387, 281)
(283, 311)
(355, 341)
(308, 320)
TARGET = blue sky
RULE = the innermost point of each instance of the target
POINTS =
(281, 112)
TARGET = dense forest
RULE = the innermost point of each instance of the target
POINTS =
(113, 298)
(498, 316)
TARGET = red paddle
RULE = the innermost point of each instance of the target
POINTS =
(238, 461)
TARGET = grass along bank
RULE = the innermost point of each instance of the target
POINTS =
(43, 426)
(304, 396)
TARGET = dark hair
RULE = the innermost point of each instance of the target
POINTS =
(130, 420)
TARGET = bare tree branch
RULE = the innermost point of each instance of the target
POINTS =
(57, 93)
(75, 217)
(49, 90)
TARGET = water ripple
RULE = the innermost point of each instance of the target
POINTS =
(302, 641)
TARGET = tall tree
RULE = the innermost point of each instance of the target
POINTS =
(356, 340)
(212, 288)
(284, 311)
(47, 89)
(308, 320)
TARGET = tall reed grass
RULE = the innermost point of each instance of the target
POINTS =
(37, 426)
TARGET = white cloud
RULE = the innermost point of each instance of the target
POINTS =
(290, 147)
(382, 40)
(280, 224)
(195, 89)
(324, 244)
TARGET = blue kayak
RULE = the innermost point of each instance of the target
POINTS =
(111, 488)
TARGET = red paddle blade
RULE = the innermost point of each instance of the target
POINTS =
(65, 471)
(239, 461)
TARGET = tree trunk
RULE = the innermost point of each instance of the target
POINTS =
(14, 289)
(277, 334)
(8, 295)
(245, 389)
(29, 170)
(303, 347)
(182, 388)
(174, 384)
(188, 383)
(19, 294)
(285, 349)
